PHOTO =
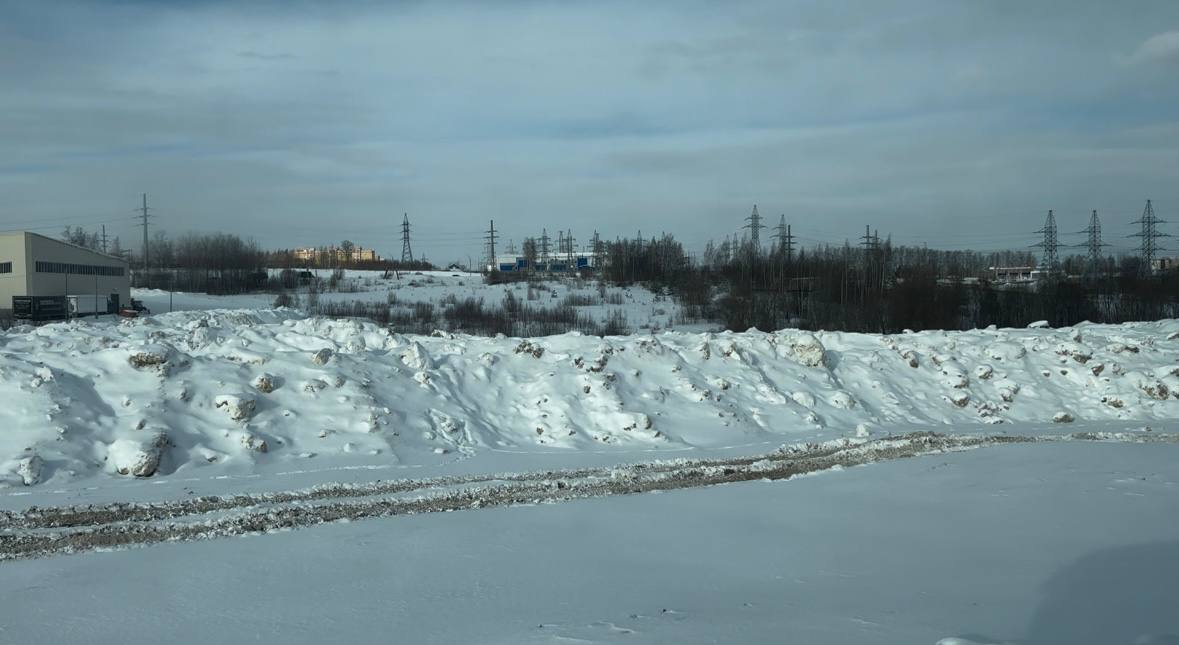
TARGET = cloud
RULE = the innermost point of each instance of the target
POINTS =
(1158, 47)
(264, 56)
(301, 123)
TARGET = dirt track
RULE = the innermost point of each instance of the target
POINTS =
(39, 532)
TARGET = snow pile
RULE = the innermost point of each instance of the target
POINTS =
(223, 389)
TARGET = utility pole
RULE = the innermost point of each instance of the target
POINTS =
(406, 249)
(491, 247)
(784, 239)
(1050, 244)
(544, 245)
(143, 214)
(869, 242)
(569, 242)
(754, 227)
(1149, 234)
(104, 239)
(511, 247)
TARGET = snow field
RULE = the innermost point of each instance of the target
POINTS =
(1045, 543)
(641, 308)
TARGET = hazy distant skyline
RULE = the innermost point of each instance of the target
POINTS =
(956, 124)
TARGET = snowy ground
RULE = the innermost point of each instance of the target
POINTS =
(1043, 543)
(641, 308)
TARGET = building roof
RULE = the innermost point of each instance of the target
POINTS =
(65, 243)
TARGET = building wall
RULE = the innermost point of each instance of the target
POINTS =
(12, 249)
(48, 267)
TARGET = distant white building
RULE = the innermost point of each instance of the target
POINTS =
(33, 265)
(552, 263)
(1017, 275)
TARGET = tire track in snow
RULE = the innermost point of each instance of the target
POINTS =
(40, 532)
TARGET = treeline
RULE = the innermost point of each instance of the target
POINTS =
(887, 289)
(339, 258)
(221, 263)
(511, 317)
(945, 263)
(215, 263)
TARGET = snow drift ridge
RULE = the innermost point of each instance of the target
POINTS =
(206, 389)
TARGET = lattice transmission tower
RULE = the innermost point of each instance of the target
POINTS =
(1093, 245)
(785, 239)
(754, 227)
(1150, 234)
(406, 248)
(490, 238)
(1050, 245)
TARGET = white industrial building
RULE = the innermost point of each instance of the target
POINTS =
(42, 267)
(551, 263)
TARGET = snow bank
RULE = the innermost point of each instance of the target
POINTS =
(228, 388)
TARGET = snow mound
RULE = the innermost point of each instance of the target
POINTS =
(186, 389)
(137, 458)
(808, 351)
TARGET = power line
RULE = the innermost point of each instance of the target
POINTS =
(49, 222)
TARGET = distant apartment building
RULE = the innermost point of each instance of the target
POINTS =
(361, 255)
(1164, 264)
(336, 255)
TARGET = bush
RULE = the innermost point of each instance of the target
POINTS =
(615, 324)
(578, 300)
(284, 299)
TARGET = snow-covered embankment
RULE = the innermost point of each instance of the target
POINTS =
(231, 388)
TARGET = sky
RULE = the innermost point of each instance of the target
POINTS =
(950, 124)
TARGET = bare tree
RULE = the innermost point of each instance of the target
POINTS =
(81, 238)
(530, 253)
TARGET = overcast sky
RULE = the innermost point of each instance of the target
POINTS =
(957, 124)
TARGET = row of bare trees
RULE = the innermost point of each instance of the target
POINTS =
(217, 263)
(884, 288)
